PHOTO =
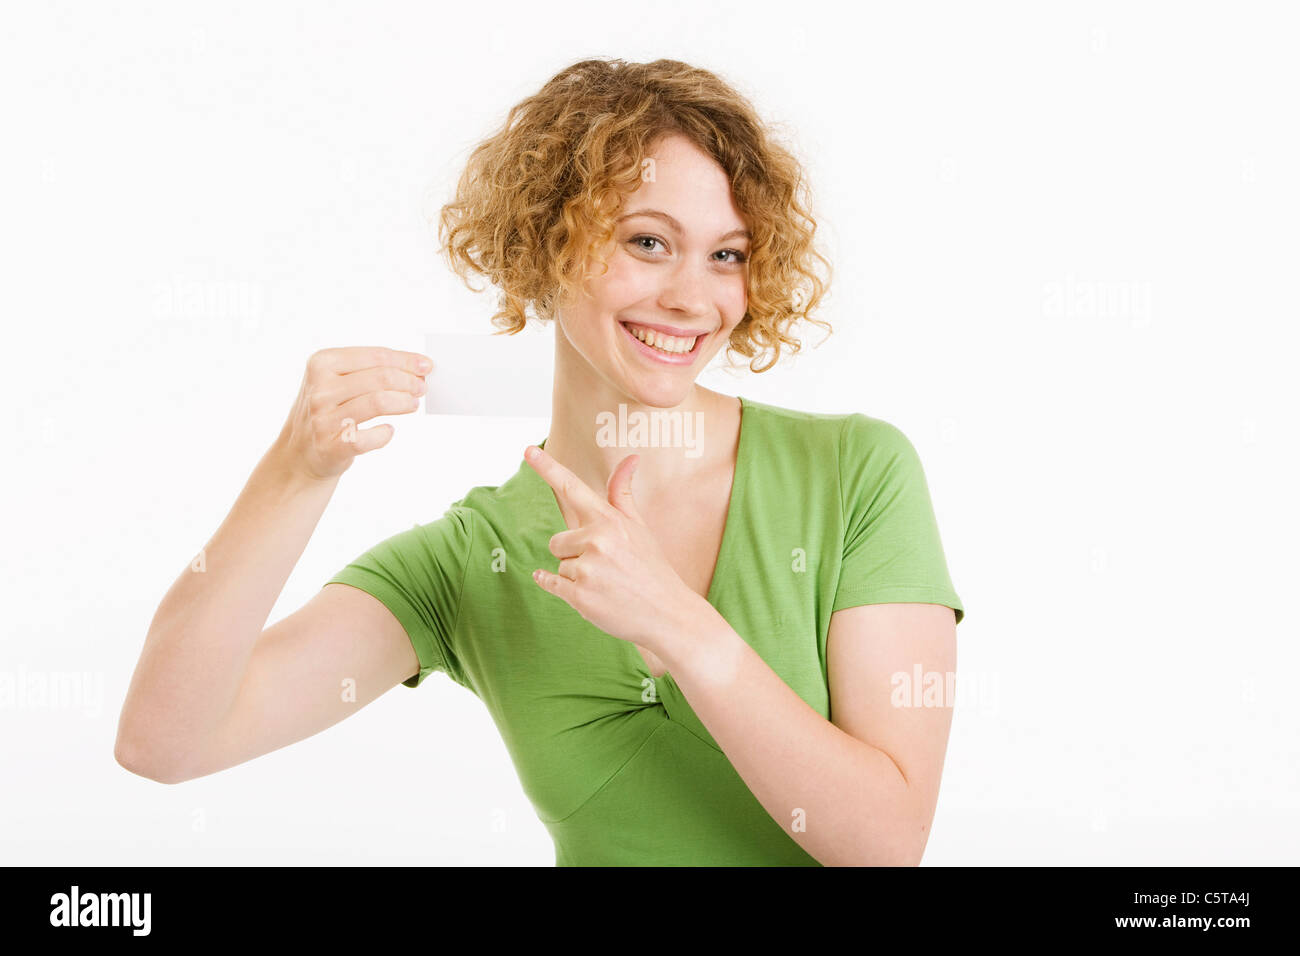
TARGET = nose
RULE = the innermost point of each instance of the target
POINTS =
(686, 290)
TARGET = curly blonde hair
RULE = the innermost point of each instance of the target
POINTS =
(539, 197)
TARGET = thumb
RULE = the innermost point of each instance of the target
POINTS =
(620, 487)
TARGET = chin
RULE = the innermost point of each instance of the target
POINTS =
(666, 395)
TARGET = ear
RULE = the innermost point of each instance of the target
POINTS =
(620, 487)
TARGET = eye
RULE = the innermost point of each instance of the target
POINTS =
(637, 239)
(740, 256)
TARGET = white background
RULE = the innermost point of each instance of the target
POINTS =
(1066, 249)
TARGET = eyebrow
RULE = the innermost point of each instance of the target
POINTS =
(677, 226)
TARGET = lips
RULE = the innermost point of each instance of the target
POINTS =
(672, 330)
(667, 358)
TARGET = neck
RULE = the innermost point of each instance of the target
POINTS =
(594, 426)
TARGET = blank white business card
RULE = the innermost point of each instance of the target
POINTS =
(484, 375)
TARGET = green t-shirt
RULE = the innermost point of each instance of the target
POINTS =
(826, 512)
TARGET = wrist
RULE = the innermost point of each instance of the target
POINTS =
(702, 642)
(281, 468)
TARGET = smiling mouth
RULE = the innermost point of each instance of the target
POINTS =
(669, 346)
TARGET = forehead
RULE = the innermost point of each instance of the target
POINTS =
(689, 185)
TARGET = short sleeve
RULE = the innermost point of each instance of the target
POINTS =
(419, 575)
(892, 549)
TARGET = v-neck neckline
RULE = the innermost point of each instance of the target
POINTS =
(739, 474)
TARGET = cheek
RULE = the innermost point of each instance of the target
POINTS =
(623, 284)
(737, 302)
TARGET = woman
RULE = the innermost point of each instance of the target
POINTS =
(692, 646)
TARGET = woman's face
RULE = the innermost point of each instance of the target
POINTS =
(677, 265)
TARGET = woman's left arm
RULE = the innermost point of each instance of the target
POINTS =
(859, 789)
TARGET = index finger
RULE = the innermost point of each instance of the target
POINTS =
(575, 498)
(361, 357)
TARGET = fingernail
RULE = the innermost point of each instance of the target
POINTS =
(424, 364)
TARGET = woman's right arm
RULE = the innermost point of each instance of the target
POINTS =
(212, 688)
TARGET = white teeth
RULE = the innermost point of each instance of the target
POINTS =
(664, 343)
